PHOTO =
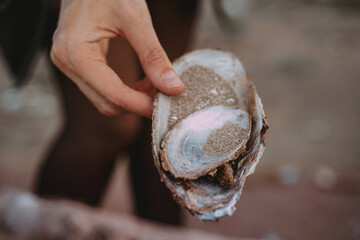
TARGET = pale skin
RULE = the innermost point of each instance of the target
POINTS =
(80, 45)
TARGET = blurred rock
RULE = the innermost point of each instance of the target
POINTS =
(317, 130)
(19, 213)
(325, 177)
(288, 175)
(271, 236)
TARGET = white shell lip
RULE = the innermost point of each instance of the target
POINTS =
(183, 152)
(207, 201)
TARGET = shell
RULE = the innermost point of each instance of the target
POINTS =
(186, 149)
(212, 78)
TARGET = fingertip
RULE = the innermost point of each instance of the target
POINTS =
(149, 114)
(148, 111)
(171, 83)
(176, 90)
(170, 79)
(144, 107)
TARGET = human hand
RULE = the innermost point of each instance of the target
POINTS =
(80, 44)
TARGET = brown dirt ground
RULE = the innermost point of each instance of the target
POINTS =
(304, 58)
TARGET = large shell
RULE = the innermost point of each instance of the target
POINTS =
(212, 78)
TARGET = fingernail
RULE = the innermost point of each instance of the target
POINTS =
(171, 79)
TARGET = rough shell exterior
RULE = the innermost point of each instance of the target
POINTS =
(206, 200)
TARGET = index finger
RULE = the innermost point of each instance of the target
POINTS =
(91, 66)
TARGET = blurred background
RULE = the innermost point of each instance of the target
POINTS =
(304, 58)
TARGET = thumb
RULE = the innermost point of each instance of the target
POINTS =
(154, 60)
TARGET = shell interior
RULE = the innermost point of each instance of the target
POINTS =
(204, 141)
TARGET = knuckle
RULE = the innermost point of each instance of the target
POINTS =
(53, 56)
(117, 102)
(108, 110)
(57, 54)
(65, 50)
(154, 54)
(112, 107)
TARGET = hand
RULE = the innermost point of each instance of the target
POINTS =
(80, 45)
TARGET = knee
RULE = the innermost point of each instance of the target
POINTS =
(125, 128)
(119, 131)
